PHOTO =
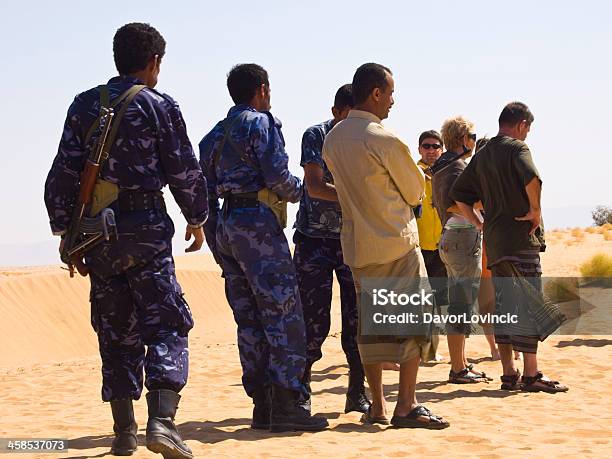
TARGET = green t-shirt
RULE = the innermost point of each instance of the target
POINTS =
(497, 176)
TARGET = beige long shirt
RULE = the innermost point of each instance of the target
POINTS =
(378, 183)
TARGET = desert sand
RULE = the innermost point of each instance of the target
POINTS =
(50, 381)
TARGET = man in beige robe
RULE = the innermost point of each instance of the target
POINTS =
(378, 183)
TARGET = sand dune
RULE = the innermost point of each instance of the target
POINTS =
(46, 314)
(50, 381)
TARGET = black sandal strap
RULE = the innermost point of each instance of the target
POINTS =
(420, 410)
(529, 380)
(417, 411)
(459, 374)
(465, 374)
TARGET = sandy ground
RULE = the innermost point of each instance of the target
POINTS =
(50, 381)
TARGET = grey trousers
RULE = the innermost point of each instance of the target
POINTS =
(461, 251)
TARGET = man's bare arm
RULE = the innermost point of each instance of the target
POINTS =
(316, 185)
(534, 192)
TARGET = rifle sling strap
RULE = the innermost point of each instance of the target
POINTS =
(227, 127)
(126, 97)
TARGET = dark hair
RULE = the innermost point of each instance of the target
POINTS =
(243, 80)
(514, 113)
(344, 97)
(134, 45)
(430, 135)
(366, 79)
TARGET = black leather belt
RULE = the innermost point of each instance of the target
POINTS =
(132, 201)
(241, 200)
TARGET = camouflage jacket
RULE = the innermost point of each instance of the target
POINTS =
(151, 150)
(264, 164)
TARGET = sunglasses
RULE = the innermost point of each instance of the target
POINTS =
(472, 136)
(428, 146)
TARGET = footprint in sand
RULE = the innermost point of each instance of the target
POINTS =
(556, 441)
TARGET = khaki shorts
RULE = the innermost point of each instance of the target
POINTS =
(376, 349)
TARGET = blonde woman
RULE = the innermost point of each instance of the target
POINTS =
(460, 247)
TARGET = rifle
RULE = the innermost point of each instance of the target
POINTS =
(84, 232)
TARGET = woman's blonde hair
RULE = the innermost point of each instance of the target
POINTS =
(453, 131)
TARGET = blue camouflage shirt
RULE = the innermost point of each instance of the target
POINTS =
(318, 217)
(151, 150)
(265, 166)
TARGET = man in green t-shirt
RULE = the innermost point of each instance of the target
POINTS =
(503, 176)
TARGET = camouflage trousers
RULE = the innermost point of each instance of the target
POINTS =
(261, 288)
(316, 260)
(137, 308)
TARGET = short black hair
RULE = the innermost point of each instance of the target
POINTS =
(430, 135)
(134, 45)
(243, 80)
(366, 78)
(344, 97)
(514, 113)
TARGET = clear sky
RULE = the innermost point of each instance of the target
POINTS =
(448, 58)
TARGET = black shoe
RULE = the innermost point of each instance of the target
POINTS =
(162, 436)
(357, 402)
(125, 428)
(262, 405)
(288, 415)
(356, 398)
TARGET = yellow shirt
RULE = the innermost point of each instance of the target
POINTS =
(430, 226)
(378, 183)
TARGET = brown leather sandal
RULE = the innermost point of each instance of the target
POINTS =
(482, 374)
(412, 421)
(465, 377)
(511, 382)
(537, 383)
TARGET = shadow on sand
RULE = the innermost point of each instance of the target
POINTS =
(211, 432)
(585, 342)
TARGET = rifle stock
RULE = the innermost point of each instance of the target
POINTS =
(75, 242)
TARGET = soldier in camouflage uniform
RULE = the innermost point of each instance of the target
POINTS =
(137, 306)
(242, 157)
(318, 254)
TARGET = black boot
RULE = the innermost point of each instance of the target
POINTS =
(162, 436)
(306, 403)
(356, 398)
(261, 408)
(125, 428)
(307, 378)
(288, 415)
